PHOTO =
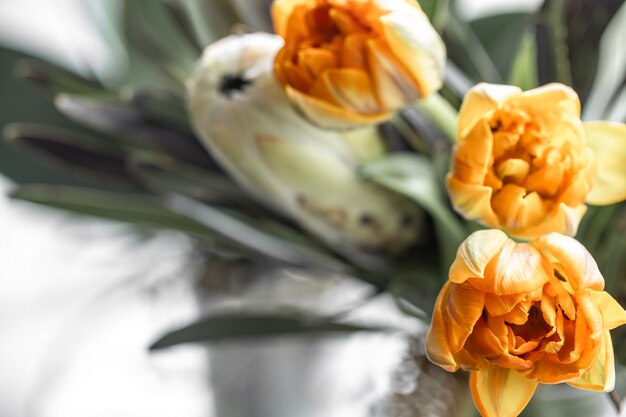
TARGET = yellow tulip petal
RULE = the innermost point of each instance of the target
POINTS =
(415, 42)
(565, 220)
(481, 101)
(472, 154)
(551, 372)
(552, 95)
(351, 88)
(437, 346)
(578, 266)
(329, 116)
(608, 141)
(501, 392)
(475, 253)
(613, 313)
(601, 375)
(472, 201)
(517, 209)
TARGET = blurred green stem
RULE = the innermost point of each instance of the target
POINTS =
(441, 113)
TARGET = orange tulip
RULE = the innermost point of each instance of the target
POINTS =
(347, 63)
(520, 314)
(526, 163)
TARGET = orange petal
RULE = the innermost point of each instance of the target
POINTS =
(518, 268)
(516, 209)
(501, 392)
(472, 201)
(330, 116)
(475, 253)
(499, 305)
(351, 88)
(608, 141)
(316, 60)
(612, 312)
(481, 102)
(579, 267)
(564, 220)
(551, 372)
(472, 154)
(393, 86)
(464, 307)
(282, 10)
(601, 375)
(353, 54)
(580, 185)
(437, 346)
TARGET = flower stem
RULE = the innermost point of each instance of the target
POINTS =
(442, 114)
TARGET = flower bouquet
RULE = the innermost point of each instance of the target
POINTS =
(471, 171)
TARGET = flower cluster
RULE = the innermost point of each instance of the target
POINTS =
(525, 164)
(519, 314)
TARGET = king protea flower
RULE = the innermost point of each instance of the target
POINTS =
(520, 314)
(309, 174)
(347, 63)
(526, 163)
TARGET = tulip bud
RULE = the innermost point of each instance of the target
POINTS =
(244, 118)
(350, 63)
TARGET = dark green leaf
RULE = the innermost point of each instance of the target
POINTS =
(501, 35)
(127, 123)
(586, 23)
(164, 175)
(131, 208)
(53, 79)
(552, 48)
(247, 326)
(468, 53)
(68, 151)
(523, 72)
(610, 77)
(254, 239)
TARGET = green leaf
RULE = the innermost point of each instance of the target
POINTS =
(611, 73)
(127, 124)
(250, 237)
(153, 31)
(138, 209)
(552, 46)
(414, 177)
(250, 326)
(523, 72)
(162, 108)
(53, 79)
(437, 12)
(501, 35)
(82, 155)
(167, 175)
(466, 51)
